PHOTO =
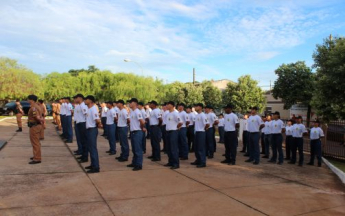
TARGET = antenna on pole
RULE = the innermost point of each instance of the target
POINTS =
(193, 76)
(270, 86)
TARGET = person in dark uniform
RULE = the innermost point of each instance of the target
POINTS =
(18, 111)
(316, 133)
(190, 128)
(288, 139)
(155, 120)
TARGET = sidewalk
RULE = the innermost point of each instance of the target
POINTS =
(59, 185)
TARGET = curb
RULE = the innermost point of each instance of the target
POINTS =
(24, 117)
(334, 169)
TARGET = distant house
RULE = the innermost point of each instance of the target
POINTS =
(221, 84)
(273, 105)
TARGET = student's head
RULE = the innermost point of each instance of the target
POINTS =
(17, 102)
(220, 116)
(228, 108)
(133, 103)
(40, 101)
(32, 99)
(152, 104)
(268, 118)
(89, 100)
(170, 105)
(254, 110)
(208, 108)
(120, 104)
(188, 109)
(299, 119)
(199, 107)
(109, 104)
(140, 105)
(181, 107)
(289, 122)
(79, 98)
(316, 123)
(276, 115)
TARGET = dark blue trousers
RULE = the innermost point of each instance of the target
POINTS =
(200, 147)
(297, 144)
(316, 150)
(190, 137)
(230, 142)
(111, 131)
(254, 154)
(245, 141)
(143, 143)
(136, 141)
(83, 140)
(77, 135)
(288, 141)
(277, 146)
(63, 122)
(91, 137)
(104, 122)
(268, 144)
(123, 132)
(182, 143)
(155, 134)
(221, 134)
(69, 128)
(148, 130)
(172, 148)
(164, 137)
(210, 141)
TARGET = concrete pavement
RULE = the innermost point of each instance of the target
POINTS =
(59, 185)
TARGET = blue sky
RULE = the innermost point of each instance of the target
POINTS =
(222, 39)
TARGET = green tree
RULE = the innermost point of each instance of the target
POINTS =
(329, 96)
(244, 94)
(211, 94)
(17, 81)
(76, 72)
(57, 85)
(295, 84)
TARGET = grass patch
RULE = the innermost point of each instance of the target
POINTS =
(1, 117)
(339, 164)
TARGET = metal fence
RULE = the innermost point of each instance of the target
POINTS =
(335, 140)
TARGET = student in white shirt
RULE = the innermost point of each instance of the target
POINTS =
(111, 127)
(122, 128)
(245, 135)
(104, 118)
(163, 127)
(182, 133)
(267, 130)
(68, 124)
(155, 131)
(92, 121)
(255, 123)
(210, 134)
(190, 128)
(316, 133)
(201, 125)
(231, 125)
(277, 128)
(80, 112)
(63, 117)
(145, 117)
(221, 128)
(148, 111)
(288, 139)
(298, 131)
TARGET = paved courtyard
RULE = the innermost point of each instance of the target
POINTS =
(59, 185)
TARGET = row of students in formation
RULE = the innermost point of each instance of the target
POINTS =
(187, 129)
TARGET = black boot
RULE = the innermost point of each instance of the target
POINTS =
(19, 130)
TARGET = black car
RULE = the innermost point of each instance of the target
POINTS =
(9, 108)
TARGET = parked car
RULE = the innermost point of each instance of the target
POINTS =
(11, 106)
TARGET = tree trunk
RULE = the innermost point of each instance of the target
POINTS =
(308, 115)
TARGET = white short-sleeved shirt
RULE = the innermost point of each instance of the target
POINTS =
(111, 114)
(277, 126)
(172, 120)
(155, 115)
(288, 130)
(184, 117)
(69, 109)
(63, 109)
(191, 117)
(254, 123)
(298, 130)
(211, 117)
(230, 121)
(148, 112)
(104, 112)
(117, 110)
(164, 117)
(221, 122)
(316, 133)
(245, 125)
(91, 117)
(122, 118)
(200, 121)
(136, 115)
(80, 112)
(143, 112)
(268, 128)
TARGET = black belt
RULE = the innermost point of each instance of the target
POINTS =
(230, 131)
(298, 137)
(288, 135)
(315, 139)
(153, 125)
(199, 131)
(255, 133)
(170, 131)
(135, 131)
(32, 124)
(80, 122)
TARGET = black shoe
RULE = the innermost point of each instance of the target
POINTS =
(280, 163)
(31, 158)
(248, 161)
(112, 153)
(271, 161)
(256, 163)
(291, 162)
(311, 164)
(137, 168)
(69, 141)
(243, 151)
(225, 161)
(184, 158)
(174, 167)
(246, 155)
(83, 161)
(123, 160)
(287, 158)
(150, 157)
(168, 165)
(300, 165)
(262, 153)
(77, 153)
(19, 130)
(265, 156)
(194, 163)
(155, 159)
(210, 157)
(319, 165)
(93, 171)
(79, 158)
(232, 163)
(118, 158)
(103, 135)
(34, 162)
(130, 165)
(223, 155)
(89, 167)
(163, 150)
(201, 165)
(108, 151)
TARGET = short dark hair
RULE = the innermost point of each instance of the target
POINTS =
(32, 97)
(17, 100)
(40, 101)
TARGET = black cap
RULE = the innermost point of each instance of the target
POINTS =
(182, 104)
(208, 107)
(171, 103)
(32, 97)
(90, 97)
(276, 113)
(254, 108)
(133, 100)
(229, 106)
(153, 102)
(79, 96)
(200, 105)
(119, 101)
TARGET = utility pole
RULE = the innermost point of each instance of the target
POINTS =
(270, 87)
(193, 76)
